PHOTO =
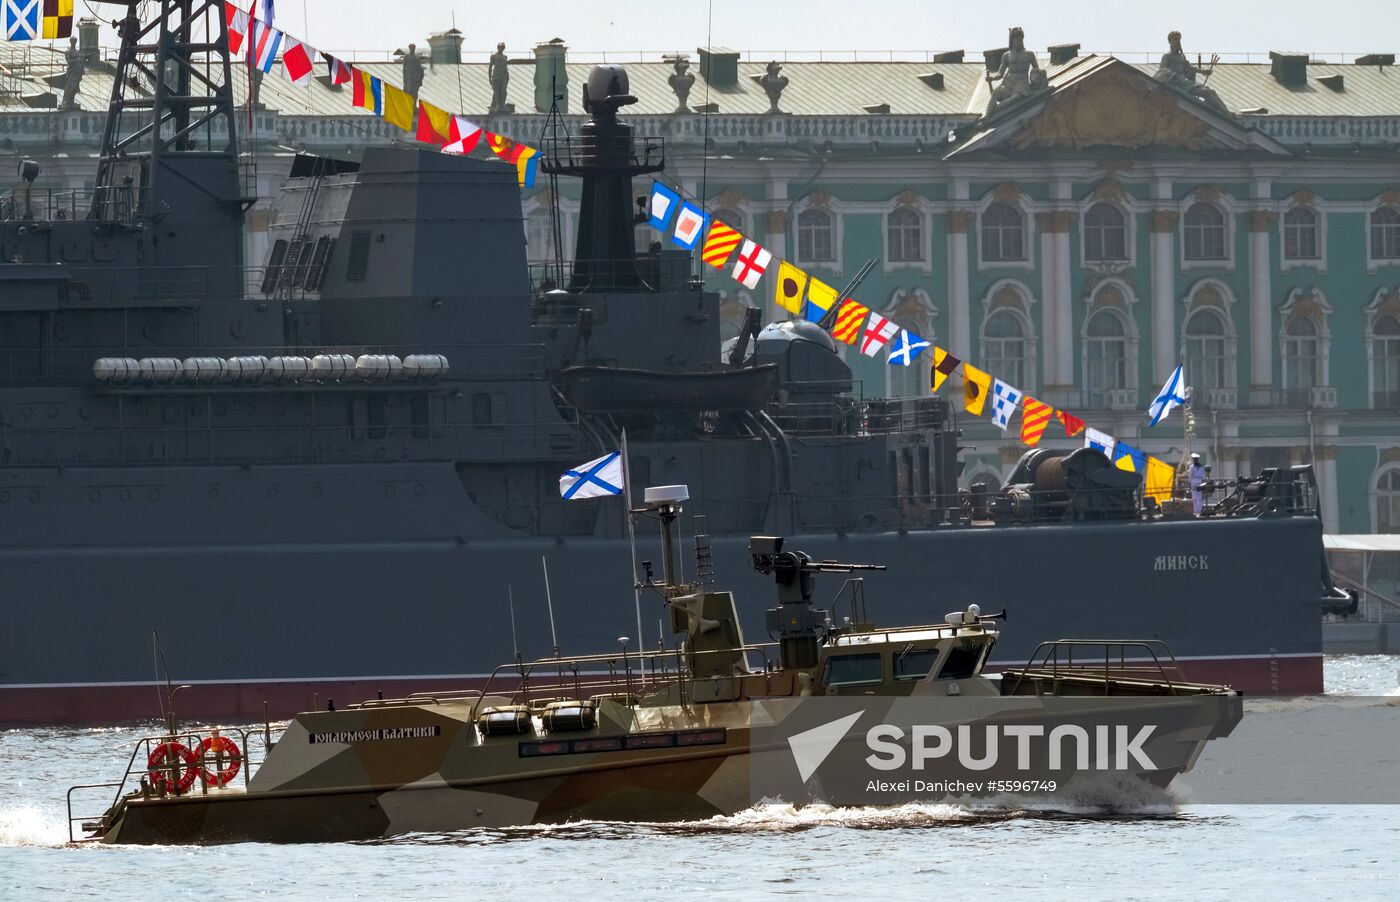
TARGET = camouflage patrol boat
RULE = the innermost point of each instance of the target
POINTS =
(709, 727)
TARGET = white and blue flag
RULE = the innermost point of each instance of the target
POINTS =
(1005, 398)
(660, 205)
(905, 349)
(599, 478)
(1172, 395)
(1101, 442)
(690, 225)
(20, 20)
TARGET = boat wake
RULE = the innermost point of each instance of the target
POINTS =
(26, 825)
(1114, 797)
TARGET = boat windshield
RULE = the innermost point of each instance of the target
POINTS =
(962, 662)
(914, 663)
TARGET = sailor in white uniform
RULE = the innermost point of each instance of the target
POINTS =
(1196, 476)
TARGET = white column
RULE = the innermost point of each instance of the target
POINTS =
(1164, 346)
(1261, 328)
(1064, 310)
(1049, 310)
(959, 290)
(1326, 465)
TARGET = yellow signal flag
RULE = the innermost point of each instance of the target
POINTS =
(976, 383)
(1158, 483)
(792, 284)
(398, 107)
(975, 388)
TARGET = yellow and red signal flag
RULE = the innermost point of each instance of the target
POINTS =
(1035, 416)
(849, 319)
(1073, 424)
(434, 124)
(719, 244)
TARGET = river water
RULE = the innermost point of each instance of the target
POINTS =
(1143, 846)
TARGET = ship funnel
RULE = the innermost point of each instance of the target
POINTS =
(666, 501)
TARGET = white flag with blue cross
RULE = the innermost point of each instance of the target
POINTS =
(1172, 395)
(600, 478)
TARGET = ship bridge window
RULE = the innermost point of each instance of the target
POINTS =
(962, 661)
(914, 663)
(357, 265)
(320, 262)
(274, 265)
(853, 670)
(481, 409)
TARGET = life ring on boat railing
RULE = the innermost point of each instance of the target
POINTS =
(162, 770)
(210, 748)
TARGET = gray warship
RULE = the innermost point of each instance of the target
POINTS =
(325, 474)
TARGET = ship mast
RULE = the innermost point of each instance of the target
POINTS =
(170, 147)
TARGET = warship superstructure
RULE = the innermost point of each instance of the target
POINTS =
(323, 474)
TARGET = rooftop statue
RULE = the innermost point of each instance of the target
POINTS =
(73, 75)
(499, 74)
(1019, 75)
(680, 82)
(1176, 70)
(412, 70)
(774, 84)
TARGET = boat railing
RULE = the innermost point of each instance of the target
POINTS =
(1108, 661)
(627, 676)
(156, 757)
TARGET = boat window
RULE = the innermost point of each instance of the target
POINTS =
(357, 265)
(962, 662)
(914, 664)
(853, 670)
(274, 266)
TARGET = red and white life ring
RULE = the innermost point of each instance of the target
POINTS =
(163, 768)
(211, 747)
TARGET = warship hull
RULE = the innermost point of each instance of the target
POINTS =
(305, 584)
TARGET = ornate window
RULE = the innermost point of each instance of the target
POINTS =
(1105, 233)
(1105, 356)
(904, 234)
(1208, 350)
(1385, 361)
(1204, 232)
(1387, 496)
(1385, 233)
(735, 219)
(1301, 234)
(1004, 341)
(1003, 234)
(1302, 360)
(815, 237)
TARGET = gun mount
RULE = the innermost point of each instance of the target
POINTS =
(794, 621)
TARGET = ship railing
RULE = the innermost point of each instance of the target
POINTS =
(572, 154)
(1105, 661)
(626, 677)
(155, 772)
(555, 285)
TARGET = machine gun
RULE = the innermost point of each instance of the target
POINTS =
(794, 621)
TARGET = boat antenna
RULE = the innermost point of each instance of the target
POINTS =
(158, 661)
(549, 600)
(514, 639)
(631, 532)
(705, 129)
